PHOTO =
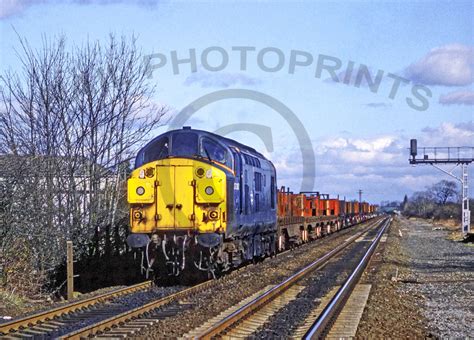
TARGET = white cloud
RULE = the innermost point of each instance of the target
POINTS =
(374, 144)
(449, 134)
(449, 65)
(356, 150)
(378, 165)
(335, 143)
(9, 8)
(458, 97)
(418, 181)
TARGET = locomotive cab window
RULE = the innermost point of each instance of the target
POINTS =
(156, 150)
(214, 151)
(185, 144)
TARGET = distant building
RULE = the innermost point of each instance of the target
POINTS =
(59, 178)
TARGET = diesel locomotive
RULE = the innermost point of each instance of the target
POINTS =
(203, 202)
(200, 200)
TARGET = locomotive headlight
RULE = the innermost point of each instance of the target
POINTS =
(141, 174)
(209, 190)
(149, 172)
(213, 215)
(137, 215)
(200, 172)
(140, 191)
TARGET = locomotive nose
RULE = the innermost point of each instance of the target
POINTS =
(175, 191)
(177, 194)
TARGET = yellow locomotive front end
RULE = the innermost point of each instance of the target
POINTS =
(176, 196)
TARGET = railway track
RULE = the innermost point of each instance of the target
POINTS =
(255, 312)
(51, 321)
(98, 317)
(133, 321)
(322, 325)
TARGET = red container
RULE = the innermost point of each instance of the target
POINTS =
(297, 204)
(349, 208)
(365, 207)
(283, 208)
(329, 207)
(334, 207)
(323, 206)
(311, 206)
(356, 208)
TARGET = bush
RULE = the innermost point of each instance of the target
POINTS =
(436, 202)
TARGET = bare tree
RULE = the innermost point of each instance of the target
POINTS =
(444, 191)
(70, 121)
(437, 201)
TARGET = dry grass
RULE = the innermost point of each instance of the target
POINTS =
(453, 227)
(11, 304)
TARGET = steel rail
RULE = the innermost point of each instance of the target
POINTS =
(38, 318)
(32, 320)
(317, 329)
(272, 293)
(135, 313)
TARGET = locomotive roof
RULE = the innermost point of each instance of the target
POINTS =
(224, 140)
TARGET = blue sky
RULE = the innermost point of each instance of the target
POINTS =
(359, 137)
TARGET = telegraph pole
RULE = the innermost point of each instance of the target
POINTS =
(360, 196)
(460, 156)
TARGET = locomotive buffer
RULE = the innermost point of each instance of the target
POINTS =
(459, 156)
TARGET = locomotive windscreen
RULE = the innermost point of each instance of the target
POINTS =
(157, 149)
(184, 144)
(214, 151)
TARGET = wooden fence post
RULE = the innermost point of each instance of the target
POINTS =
(70, 270)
